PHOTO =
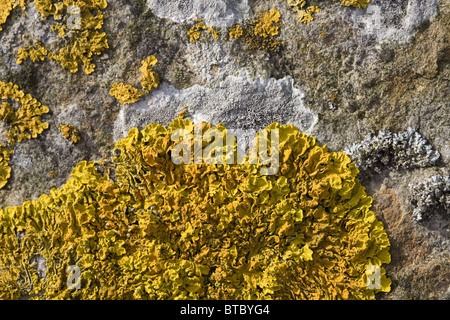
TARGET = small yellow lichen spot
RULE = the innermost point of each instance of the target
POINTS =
(305, 16)
(70, 133)
(296, 4)
(267, 25)
(149, 79)
(25, 123)
(125, 94)
(5, 169)
(194, 32)
(214, 33)
(35, 53)
(236, 32)
(355, 3)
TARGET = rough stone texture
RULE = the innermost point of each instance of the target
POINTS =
(349, 73)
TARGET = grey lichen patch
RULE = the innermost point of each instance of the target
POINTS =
(239, 102)
(430, 196)
(406, 150)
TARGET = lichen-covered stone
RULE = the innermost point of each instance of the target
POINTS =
(199, 231)
(356, 70)
(429, 196)
(5, 169)
(405, 150)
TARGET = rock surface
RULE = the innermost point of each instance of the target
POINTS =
(349, 73)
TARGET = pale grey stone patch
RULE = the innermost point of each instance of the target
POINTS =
(220, 13)
(394, 20)
(239, 102)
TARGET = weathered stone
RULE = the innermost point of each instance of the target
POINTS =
(349, 73)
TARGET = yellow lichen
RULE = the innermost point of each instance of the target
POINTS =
(195, 31)
(306, 15)
(261, 32)
(35, 53)
(214, 32)
(267, 25)
(355, 3)
(5, 169)
(25, 123)
(76, 24)
(127, 94)
(70, 133)
(6, 7)
(235, 32)
(149, 79)
(157, 230)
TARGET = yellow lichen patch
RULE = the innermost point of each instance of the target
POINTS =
(235, 32)
(261, 32)
(70, 133)
(77, 24)
(149, 79)
(5, 169)
(159, 230)
(25, 123)
(35, 53)
(305, 14)
(267, 25)
(126, 94)
(6, 7)
(214, 32)
(195, 31)
(355, 3)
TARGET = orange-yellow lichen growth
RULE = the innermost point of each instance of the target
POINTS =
(25, 123)
(305, 13)
(157, 230)
(35, 53)
(267, 25)
(195, 31)
(149, 79)
(5, 169)
(259, 33)
(235, 32)
(6, 7)
(77, 24)
(127, 94)
(355, 3)
(70, 133)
